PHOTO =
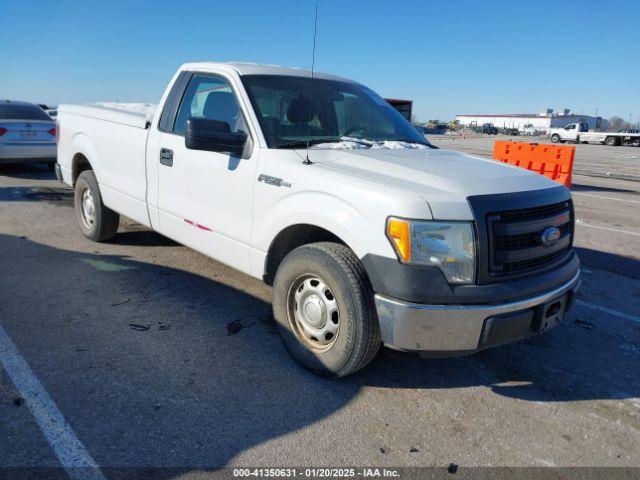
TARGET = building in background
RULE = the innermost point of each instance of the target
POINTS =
(541, 122)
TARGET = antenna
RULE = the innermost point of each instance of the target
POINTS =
(313, 64)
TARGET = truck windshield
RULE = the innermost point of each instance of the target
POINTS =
(337, 110)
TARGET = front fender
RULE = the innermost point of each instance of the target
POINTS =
(360, 232)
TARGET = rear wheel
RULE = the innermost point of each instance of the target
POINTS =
(555, 138)
(323, 304)
(611, 141)
(97, 222)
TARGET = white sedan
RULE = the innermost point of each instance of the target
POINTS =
(27, 134)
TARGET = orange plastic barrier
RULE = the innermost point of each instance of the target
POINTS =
(552, 161)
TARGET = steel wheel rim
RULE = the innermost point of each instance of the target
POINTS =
(88, 208)
(313, 312)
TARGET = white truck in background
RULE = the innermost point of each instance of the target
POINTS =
(368, 234)
(579, 133)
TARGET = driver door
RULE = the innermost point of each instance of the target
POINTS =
(205, 199)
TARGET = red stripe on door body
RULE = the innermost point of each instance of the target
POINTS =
(197, 225)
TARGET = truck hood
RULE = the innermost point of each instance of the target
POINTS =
(443, 178)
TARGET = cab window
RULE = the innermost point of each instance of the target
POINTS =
(212, 98)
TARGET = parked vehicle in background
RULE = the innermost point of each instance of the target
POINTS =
(634, 139)
(530, 130)
(509, 131)
(371, 236)
(432, 129)
(27, 134)
(490, 129)
(579, 133)
(486, 128)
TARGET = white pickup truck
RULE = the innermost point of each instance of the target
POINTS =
(371, 237)
(579, 133)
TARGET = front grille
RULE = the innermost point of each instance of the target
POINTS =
(515, 238)
(524, 265)
(525, 240)
(533, 213)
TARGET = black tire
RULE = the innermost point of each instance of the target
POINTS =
(104, 224)
(555, 138)
(611, 141)
(357, 340)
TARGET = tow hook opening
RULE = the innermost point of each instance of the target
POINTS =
(553, 309)
(552, 314)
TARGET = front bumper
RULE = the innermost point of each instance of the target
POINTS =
(461, 329)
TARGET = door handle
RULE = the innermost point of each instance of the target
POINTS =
(166, 157)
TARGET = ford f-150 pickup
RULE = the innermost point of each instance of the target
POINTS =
(368, 234)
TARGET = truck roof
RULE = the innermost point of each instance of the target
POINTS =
(246, 68)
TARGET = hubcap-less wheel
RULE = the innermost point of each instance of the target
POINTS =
(88, 208)
(313, 312)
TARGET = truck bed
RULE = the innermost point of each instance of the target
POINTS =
(137, 115)
(114, 138)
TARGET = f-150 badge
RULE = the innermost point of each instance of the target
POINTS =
(275, 181)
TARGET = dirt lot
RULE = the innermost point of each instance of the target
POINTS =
(129, 342)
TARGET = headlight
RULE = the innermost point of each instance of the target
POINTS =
(448, 246)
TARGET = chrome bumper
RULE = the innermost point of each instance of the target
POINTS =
(450, 328)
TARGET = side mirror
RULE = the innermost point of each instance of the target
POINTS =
(213, 136)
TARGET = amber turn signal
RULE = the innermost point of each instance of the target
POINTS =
(399, 233)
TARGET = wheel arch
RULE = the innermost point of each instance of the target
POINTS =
(289, 239)
(306, 217)
(84, 156)
(79, 164)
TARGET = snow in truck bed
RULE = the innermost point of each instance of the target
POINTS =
(132, 114)
(148, 110)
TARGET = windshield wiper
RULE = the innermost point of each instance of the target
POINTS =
(359, 141)
(426, 144)
(303, 143)
(371, 143)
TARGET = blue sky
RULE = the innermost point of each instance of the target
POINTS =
(448, 56)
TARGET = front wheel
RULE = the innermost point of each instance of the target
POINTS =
(323, 305)
(97, 222)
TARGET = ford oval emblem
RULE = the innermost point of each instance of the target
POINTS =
(550, 236)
